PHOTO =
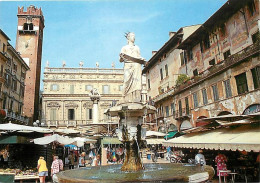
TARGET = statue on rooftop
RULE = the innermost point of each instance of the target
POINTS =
(130, 55)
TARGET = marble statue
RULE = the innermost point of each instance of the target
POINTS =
(81, 63)
(63, 64)
(94, 91)
(47, 63)
(97, 64)
(130, 55)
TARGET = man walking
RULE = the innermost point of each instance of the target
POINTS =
(56, 167)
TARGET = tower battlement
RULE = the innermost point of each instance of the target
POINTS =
(31, 10)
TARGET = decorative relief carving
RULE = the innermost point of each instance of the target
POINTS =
(53, 104)
(72, 76)
(73, 105)
(105, 105)
(88, 105)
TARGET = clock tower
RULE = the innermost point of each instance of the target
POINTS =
(29, 44)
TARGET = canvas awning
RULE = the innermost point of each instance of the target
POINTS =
(154, 141)
(13, 140)
(110, 141)
(80, 141)
(21, 128)
(54, 138)
(245, 137)
(154, 133)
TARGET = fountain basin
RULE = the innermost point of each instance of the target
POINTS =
(166, 172)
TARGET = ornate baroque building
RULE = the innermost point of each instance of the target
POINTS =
(66, 99)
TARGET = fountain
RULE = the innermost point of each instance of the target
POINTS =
(131, 111)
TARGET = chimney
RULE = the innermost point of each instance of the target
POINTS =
(153, 53)
(171, 34)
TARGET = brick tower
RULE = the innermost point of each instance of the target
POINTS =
(29, 43)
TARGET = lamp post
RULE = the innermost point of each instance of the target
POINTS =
(37, 123)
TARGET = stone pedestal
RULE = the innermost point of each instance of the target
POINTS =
(130, 131)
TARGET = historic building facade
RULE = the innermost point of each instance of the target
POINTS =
(67, 101)
(29, 44)
(3, 59)
(161, 75)
(13, 72)
(220, 62)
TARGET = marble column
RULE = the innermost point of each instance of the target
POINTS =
(95, 112)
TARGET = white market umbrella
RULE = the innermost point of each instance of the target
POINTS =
(54, 138)
(15, 127)
(79, 141)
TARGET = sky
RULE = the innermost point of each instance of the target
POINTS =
(93, 30)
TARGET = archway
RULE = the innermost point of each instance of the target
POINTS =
(222, 113)
(254, 108)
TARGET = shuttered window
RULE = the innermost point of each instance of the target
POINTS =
(228, 88)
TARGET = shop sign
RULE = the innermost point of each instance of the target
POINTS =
(252, 109)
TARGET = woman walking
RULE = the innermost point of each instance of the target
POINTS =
(42, 169)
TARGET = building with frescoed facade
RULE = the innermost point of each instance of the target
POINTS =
(66, 101)
(221, 60)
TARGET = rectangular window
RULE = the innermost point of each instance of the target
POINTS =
(89, 114)
(23, 75)
(241, 82)
(4, 47)
(54, 87)
(256, 76)
(228, 88)
(53, 114)
(167, 111)
(148, 82)
(212, 62)
(71, 114)
(190, 54)
(195, 100)
(173, 109)
(105, 89)
(120, 88)
(2, 71)
(88, 87)
(161, 72)
(14, 67)
(205, 97)
(251, 7)
(0, 87)
(215, 92)
(206, 42)
(226, 54)
(195, 72)
(187, 105)
(21, 90)
(183, 58)
(166, 70)
(71, 89)
(255, 37)
(180, 108)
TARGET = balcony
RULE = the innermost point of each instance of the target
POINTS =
(231, 61)
(12, 116)
(72, 123)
